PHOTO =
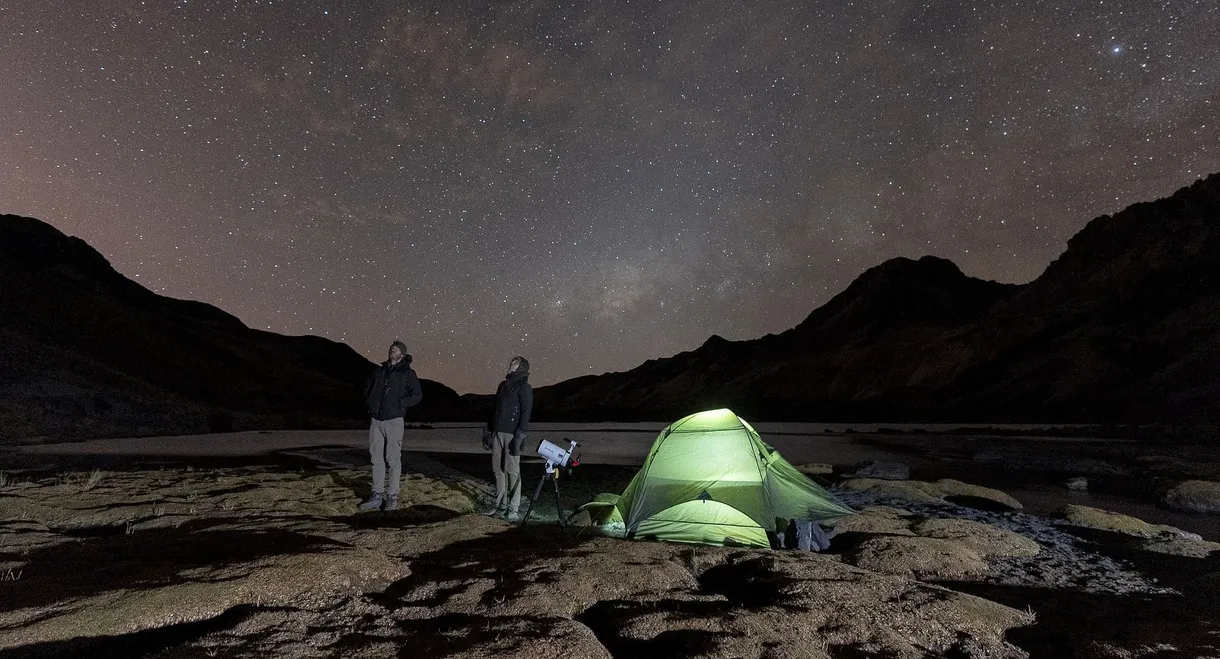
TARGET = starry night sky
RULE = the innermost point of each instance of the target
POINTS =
(589, 184)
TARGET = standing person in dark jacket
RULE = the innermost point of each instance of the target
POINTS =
(509, 424)
(392, 389)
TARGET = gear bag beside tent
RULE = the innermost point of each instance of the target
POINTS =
(710, 479)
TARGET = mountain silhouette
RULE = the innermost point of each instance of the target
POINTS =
(1124, 327)
(85, 351)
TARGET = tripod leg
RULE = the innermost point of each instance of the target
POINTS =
(558, 510)
(538, 490)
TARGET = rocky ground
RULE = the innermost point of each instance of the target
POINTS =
(1141, 468)
(274, 560)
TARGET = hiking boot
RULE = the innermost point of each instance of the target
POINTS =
(513, 517)
(374, 502)
(495, 512)
(391, 502)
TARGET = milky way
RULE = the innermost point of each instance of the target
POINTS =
(587, 184)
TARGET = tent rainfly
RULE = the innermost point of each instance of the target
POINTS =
(710, 479)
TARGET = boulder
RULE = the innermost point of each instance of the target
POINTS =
(951, 488)
(922, 492)
(1077, 484)
(921, 558)
(879, 520)
(1195, 496)
(1104, 520)
(988, 541)
(1181, 546)
(816, 469)
(888, 512)
(916, 491)
(893, 471)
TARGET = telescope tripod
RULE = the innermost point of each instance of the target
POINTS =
(553, 474)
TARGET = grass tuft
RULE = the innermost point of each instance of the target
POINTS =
(94, 479)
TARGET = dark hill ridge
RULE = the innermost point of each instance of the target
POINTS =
(894, 308)
(1123, 327)
(1124, 324)
(87, 352)
(931, 291)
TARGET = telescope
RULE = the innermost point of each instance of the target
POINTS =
(556, 457)
(554, 454)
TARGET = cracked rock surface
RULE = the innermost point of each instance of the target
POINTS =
(267, 561)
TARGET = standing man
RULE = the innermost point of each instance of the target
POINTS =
(392, 389)
(509, 424)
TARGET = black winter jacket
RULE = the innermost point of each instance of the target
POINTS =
(392, 389)
(514, 404)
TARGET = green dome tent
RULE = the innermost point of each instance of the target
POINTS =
(710, 479)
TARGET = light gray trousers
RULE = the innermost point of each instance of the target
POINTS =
(507, 469)
(385, 447)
